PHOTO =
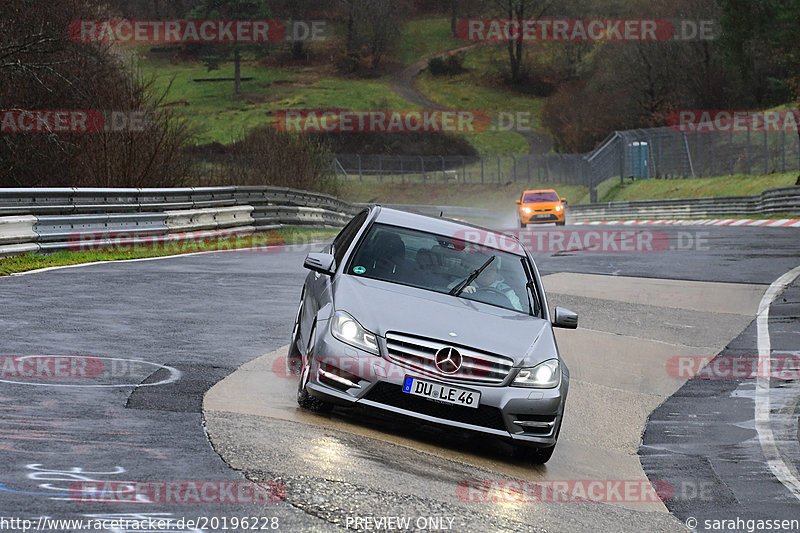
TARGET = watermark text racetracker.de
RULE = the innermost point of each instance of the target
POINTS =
(786, 367)
(522, 491)
(177, 492)
(196, 31)
(734, 121)
(585, 30)
(120, 241)
(73, 121)
(603, 240)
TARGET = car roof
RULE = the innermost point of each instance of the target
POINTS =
(540, 190)
(438, 225)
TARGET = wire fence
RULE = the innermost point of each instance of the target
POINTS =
(642, 153)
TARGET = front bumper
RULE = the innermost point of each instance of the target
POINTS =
(344, 375)
(542, 217)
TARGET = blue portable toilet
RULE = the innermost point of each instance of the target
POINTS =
(637, 159)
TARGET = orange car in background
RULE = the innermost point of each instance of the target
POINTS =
(541, 207)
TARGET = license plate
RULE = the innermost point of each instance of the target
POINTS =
(543, 216)
(441, 393)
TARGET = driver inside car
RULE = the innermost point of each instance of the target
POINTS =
(489, 279)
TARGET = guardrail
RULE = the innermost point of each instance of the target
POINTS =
(782, 200)
(47, 220)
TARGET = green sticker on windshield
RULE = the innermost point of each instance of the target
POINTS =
(359, 270)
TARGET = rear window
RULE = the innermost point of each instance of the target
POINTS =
(535, 197)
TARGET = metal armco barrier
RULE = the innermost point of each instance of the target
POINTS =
(47, 220)
(783, 200)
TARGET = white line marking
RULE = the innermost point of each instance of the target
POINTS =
(762, 408)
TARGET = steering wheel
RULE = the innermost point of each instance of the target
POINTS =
(494, 296)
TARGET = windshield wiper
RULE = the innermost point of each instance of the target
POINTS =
(455, 291)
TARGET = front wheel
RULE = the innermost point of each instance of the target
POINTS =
(563, 222)
(304, 399)
(537, 456)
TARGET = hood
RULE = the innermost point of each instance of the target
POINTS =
(382, 306)
(542, 205)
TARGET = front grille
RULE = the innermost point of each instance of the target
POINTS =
(419, 353)
(393, 395)
(542, 210)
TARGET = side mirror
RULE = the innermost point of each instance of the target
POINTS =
(319, 262)
(565, 319)
(519, 202)
(564, 201)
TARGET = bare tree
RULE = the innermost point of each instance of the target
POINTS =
(372, 26)
(42, 69)
(519, 10)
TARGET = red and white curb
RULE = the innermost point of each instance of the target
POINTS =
(782, 223)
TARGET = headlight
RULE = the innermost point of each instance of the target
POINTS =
(526, 210)
(545, 375)
(559, 208)
(348, 330)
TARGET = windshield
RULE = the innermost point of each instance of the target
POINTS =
(536, 197)
(441, 264)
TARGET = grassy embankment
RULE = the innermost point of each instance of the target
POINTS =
(500, 196)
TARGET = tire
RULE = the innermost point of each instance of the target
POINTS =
(294, 359)
(539, 456)
(304, 398)
(562, 223)
(522, 224)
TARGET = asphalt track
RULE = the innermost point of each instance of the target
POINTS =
(188, 322)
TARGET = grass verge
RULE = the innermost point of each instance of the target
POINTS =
(282, 236)
(423, 37)
(657, 189)
(490, 196)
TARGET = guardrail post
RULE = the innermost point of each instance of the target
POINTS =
(360, 174)
(424, 176)
(483, 169)
(444, 174)
(498, 169)
(380, 168)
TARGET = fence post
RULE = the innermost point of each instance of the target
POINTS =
(463, 169)
(360, 174)
(783, 150)
(422, 164)
(483, 170)
(766, 151)
(713, 163)
(730, 151)
(498, 169)
(444, 170)
(514, 159)
(528, 165)
(402, 175)
(747, 152)
(380, 168)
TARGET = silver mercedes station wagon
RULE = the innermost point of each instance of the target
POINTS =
(433, 319)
